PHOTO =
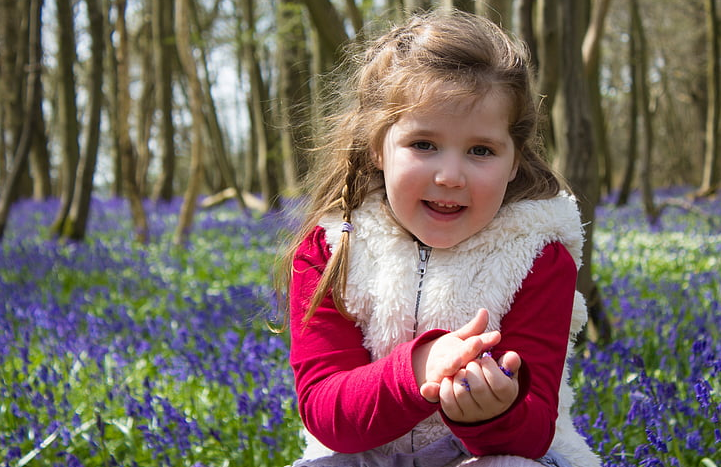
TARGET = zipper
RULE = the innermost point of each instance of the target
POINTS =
(424, 254)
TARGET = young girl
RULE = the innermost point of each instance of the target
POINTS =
(432, 289)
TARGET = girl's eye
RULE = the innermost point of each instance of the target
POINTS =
(481, 151)
(422, 145)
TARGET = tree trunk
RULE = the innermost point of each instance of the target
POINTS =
(127, 153)
(643, 93)
(80, 208)
(67, 112)
(111, 68)
(39, 155)
(257, 103)
(212, 125)
(526, 29)
(498, 11)
(549, 53)
(33, 87)
(711, 179)
(148, 103)
(462, 5)
(185, 53)
(591, 60)
(577, 159)
(330, 28)
(162, 20)
(632, 151)
(294, 93)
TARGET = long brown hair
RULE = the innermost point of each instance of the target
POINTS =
(402, 70)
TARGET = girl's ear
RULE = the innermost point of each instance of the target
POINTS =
(377, 159)
(514, 169)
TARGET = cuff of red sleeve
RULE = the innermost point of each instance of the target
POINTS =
(418, 341)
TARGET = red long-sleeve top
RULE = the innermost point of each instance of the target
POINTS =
(351, 404)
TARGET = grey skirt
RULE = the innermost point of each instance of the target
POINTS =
(445, 452)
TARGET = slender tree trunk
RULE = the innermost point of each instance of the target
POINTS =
(330, 28)
(643, 93)
(257, 104)
(39, 155)
(212, 125)
(33, 86)
(549, 52)
(163, 51)
(498, 11)
(711, 179)
(67, 108)
(294, 92)
(80, 208)
(147, 105)
(592, 60)
(462, 5)
(576, 156)
(632, 151)
(111, 68)
(127, 153)
(356, 17)
(185, 53)
(526, 29)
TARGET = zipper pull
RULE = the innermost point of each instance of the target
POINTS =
(424, 253)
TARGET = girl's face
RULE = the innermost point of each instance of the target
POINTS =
(446, 168)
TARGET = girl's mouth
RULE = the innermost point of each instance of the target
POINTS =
(444, 208)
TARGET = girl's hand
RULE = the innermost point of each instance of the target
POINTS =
(445, 356)
(482, 390)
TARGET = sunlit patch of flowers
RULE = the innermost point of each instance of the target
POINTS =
(114, 353)
(652, 397)
(119, 354)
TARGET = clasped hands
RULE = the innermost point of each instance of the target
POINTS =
(469, 384)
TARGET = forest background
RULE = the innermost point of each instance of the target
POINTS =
(158, 98)
(123, 342)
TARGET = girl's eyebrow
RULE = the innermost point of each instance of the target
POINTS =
(423, 132)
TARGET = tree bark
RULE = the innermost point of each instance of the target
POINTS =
(294, 93)
(498, 11)
(711, 178)
(148, 103)
(577, 159)
(76, 223)
(592, 64)
(127, 153)
(111, 68)
(67, 112)
(257, 104)
(33, 86)
(185, 53)
(214, 130)
(162, 20)
(526, 29)
(632, 151)
(549, 53)
(643, 93)
(329, 27)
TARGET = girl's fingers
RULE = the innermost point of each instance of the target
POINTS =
(474, 327)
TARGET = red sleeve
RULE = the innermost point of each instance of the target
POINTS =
(347, 402)
(537, 327)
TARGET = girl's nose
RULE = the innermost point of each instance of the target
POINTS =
(449, 172)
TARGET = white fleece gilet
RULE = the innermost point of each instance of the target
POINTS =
(485, 270)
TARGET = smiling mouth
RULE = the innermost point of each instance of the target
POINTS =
(444, 208)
